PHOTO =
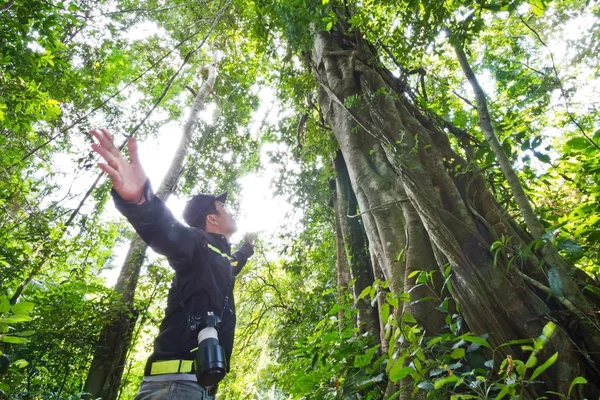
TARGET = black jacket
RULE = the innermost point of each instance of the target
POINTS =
(203, 277)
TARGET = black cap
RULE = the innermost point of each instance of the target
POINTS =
(198, 204)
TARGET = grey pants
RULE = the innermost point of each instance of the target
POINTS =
(172, 390)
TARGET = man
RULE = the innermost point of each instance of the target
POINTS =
(202, 287)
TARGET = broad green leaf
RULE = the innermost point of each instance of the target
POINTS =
(476, 340)
(364, 292)
(4, 304)
(577, 143)
(408, 318)
(15, 319)
(457, 353)
(13, 339)
(22, 307)
(398, 371)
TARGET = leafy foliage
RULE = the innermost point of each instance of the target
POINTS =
(66, 65)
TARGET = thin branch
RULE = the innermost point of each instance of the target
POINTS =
(464, 99)
(7, 5)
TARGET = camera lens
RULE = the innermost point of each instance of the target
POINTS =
(211, 364)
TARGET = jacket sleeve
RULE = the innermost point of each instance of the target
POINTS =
(160, 230)
(241, 256)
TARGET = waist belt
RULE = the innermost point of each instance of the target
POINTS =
(171, 367)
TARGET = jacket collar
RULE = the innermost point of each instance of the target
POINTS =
(220, 242)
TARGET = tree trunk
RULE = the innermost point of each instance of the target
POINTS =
(343, 269)
(106, 370)
(414, 194)
(354, 243)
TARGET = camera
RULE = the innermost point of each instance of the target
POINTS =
(211, 364)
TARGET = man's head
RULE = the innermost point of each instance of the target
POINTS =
(208, 213)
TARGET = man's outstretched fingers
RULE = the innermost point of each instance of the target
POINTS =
(102, 139)
(107, 155)
(115, 177)
(108, 136)
(133, 151)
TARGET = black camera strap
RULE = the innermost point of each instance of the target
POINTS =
(231, 278)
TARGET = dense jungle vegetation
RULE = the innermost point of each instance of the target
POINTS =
(438, 161)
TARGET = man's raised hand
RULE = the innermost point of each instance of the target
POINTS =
(128, 177)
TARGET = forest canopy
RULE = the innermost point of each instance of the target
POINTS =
(423, 175)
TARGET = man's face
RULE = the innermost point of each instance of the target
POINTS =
(225, 219)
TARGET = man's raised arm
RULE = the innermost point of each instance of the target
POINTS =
(241, 256)
(134, 198)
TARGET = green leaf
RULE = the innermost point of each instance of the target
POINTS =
(413, 274)
(335, 309)
(385, 312)
(531, 361)
(22, 307)
(364, 292)
(408, 318)
(445, 380)
(576, 381)
(21, 364)
(545, 158)
(4, 304)
(476, 340)
(543, 367)
(315, 361)
(506, 389)
(365, 383)
(404, 297)
(15, 319)
(577, 143)
(458, 353)
(398, 372)
(13, 339)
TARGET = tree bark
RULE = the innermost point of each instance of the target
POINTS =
(343, 269)
(106, 369)
(412, 197)
(354, 244)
